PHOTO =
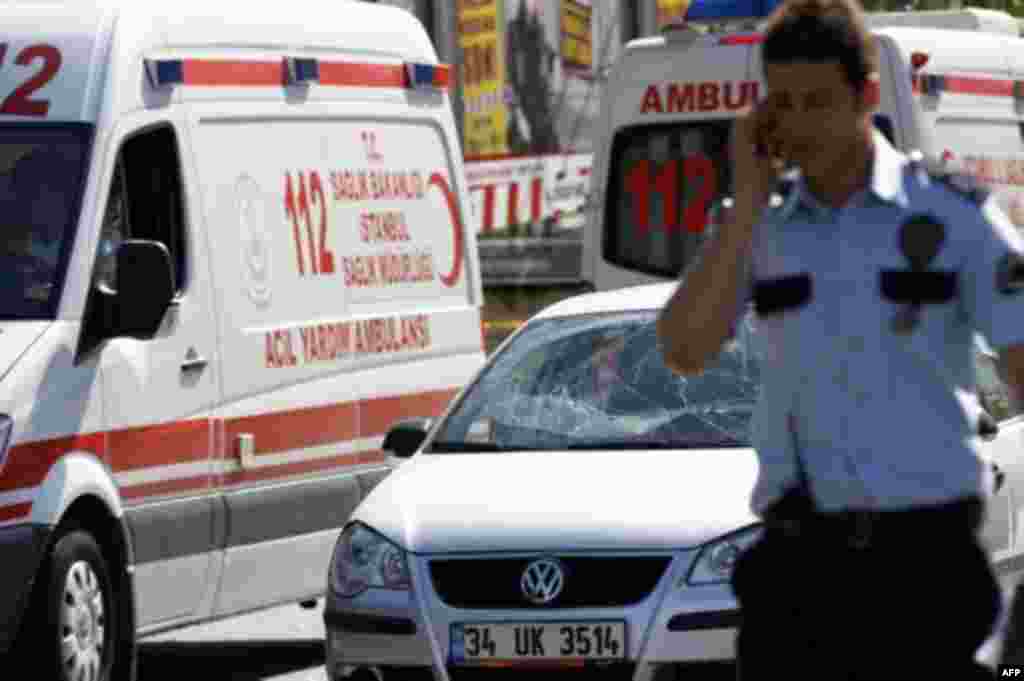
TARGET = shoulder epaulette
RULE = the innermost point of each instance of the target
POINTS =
(964, 184)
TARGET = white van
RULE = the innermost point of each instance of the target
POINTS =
(952, 87)
(233, 255)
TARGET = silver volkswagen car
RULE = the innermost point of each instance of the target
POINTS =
(577, 509)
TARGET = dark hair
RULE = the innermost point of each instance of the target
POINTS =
(822, 31)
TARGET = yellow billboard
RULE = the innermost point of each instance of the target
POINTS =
(481, 42)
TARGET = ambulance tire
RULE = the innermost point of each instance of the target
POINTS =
(75, 619)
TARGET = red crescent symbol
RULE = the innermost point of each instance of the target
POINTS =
(452, 277)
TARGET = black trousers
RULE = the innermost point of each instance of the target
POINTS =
(1013, 642)
(911, 598)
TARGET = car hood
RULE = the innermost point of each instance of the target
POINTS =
(579, 500)
(15, 338)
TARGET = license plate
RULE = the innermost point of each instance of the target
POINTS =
(538, 641)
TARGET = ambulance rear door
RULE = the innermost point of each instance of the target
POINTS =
(663, 167)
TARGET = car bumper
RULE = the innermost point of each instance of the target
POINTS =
(22, 549)
(676, 625)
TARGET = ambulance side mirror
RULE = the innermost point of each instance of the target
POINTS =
(145, 288)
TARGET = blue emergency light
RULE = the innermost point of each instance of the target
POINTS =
(302, 70)
(163, 72)
(932, 84)
(426, 75)
(728, 10)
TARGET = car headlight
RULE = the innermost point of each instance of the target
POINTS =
(715, 562)
(364, 559)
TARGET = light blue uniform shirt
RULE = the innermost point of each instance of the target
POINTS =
(880, 420)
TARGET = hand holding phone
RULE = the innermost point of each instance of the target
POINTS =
(758, 156)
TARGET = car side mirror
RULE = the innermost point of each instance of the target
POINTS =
(145, 288)
(405, 437)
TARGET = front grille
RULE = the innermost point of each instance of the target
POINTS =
(608, 672)
(589, 582)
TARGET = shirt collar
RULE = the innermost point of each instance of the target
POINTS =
(887, 172)
(886, 179)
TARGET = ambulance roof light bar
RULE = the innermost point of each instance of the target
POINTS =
(722, 11)
(739, 14)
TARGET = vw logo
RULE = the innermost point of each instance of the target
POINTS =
(543, 581)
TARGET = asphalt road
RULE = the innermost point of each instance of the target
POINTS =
(283, 644)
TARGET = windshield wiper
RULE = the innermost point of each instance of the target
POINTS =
(451, 447)
(635, 444)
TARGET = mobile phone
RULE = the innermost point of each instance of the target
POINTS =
(766, 124)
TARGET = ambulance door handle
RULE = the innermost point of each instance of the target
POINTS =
(193, 361)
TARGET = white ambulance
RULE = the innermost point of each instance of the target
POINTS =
(233, 254)
(952, 87)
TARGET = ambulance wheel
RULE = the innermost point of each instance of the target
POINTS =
(77, 616)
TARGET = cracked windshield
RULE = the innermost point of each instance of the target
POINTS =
(599, 382)
(40, 179)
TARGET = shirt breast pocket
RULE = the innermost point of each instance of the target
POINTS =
(781, 304)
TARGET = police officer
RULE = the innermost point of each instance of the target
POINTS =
(869, 280)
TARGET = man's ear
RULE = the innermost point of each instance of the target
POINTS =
(871, 95)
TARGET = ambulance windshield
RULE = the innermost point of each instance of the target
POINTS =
(665, 191)
(41, 173)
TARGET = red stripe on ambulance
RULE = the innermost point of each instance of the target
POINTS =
(193, 441)
(28, 463)
(934, 84)
(178, 442)
(14, 512)
(299, 428)
(989, 87)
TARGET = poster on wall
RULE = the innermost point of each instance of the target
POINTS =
(577, 46)
(556, 55)
(530, 76)
(533, 73)
(481, 36)
(669, 10)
